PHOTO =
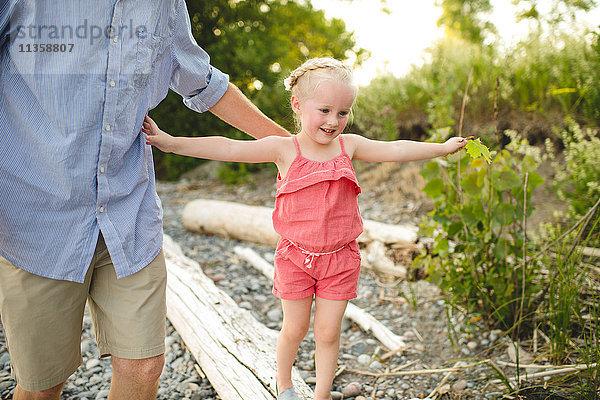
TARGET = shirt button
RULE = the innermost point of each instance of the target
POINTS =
(101, 208)
(107, 127)
(112, 83)
(115, 39)
(101, 170)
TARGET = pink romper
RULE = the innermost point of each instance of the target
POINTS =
(316, 213)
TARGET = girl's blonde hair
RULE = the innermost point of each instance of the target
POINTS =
(303, 80)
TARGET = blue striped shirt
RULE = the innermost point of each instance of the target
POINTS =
(76, 80)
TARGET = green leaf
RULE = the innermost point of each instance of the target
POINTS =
(471, 185)
(477, 149)
(534, 180)
(507, 179)
(434, 188)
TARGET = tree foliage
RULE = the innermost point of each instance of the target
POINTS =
(257, 43)
(466, 18)
(470, 19)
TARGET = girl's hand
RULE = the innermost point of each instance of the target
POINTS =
(157, 137)
(455, 144)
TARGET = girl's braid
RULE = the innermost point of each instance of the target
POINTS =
(311, 65)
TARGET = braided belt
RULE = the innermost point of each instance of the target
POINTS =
(310, 255)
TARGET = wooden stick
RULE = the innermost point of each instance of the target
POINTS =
(393, 352)
(532, 366)
(416, 372)
(401, 367)
(559, 371)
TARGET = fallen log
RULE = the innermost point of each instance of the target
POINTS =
(362, 318)
(254, 224)
(374, 257)
(236, 352)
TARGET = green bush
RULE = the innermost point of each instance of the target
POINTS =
(577, 178)
(477, 227)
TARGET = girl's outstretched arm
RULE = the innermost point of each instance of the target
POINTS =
(365, 149)
(268, 149)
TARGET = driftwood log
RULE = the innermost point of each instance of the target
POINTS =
(254, 224)
(236, 352)
(362, 318)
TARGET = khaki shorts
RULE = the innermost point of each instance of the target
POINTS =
(43, 317)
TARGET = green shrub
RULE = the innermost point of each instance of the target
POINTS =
(477, 227)
(577, 178)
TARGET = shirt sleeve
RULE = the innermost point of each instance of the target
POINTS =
(200, 84)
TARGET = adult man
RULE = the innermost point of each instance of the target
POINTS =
(79, 215)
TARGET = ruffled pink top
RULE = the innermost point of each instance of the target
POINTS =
(316, 204)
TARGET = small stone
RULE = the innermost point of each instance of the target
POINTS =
(375, 365)
(311, 380)
(246, 305)
(102, 394)
(94, 362)
(218, 277)
(5, 385)
(359, 348)
(336, 395)
(459, 385)
(275, 315)
(352, 389)
(472, 345)
(364, 359)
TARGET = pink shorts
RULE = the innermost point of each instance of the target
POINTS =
(331, 276)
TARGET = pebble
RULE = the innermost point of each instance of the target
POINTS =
(352, 389)
(364, 359)
(459, 386)
(336, 395)
(275, 315)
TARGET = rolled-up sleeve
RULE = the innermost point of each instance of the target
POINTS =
(200, 84)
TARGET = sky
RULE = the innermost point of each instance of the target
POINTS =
(397, 40)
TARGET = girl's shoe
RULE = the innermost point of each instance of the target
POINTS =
(288, 394)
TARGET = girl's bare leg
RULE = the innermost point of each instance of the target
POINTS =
(296, 320)
(327, 326)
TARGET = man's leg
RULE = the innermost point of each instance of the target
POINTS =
(42, 321)
(135, 379)
(48, 394)
(129, 316)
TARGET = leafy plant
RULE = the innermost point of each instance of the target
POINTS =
(577, 179)
(477, 226)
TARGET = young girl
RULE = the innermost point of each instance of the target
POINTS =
(316, 210)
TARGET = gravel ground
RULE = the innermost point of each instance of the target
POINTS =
(414, 310)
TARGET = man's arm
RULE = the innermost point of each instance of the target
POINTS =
(238, 111)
